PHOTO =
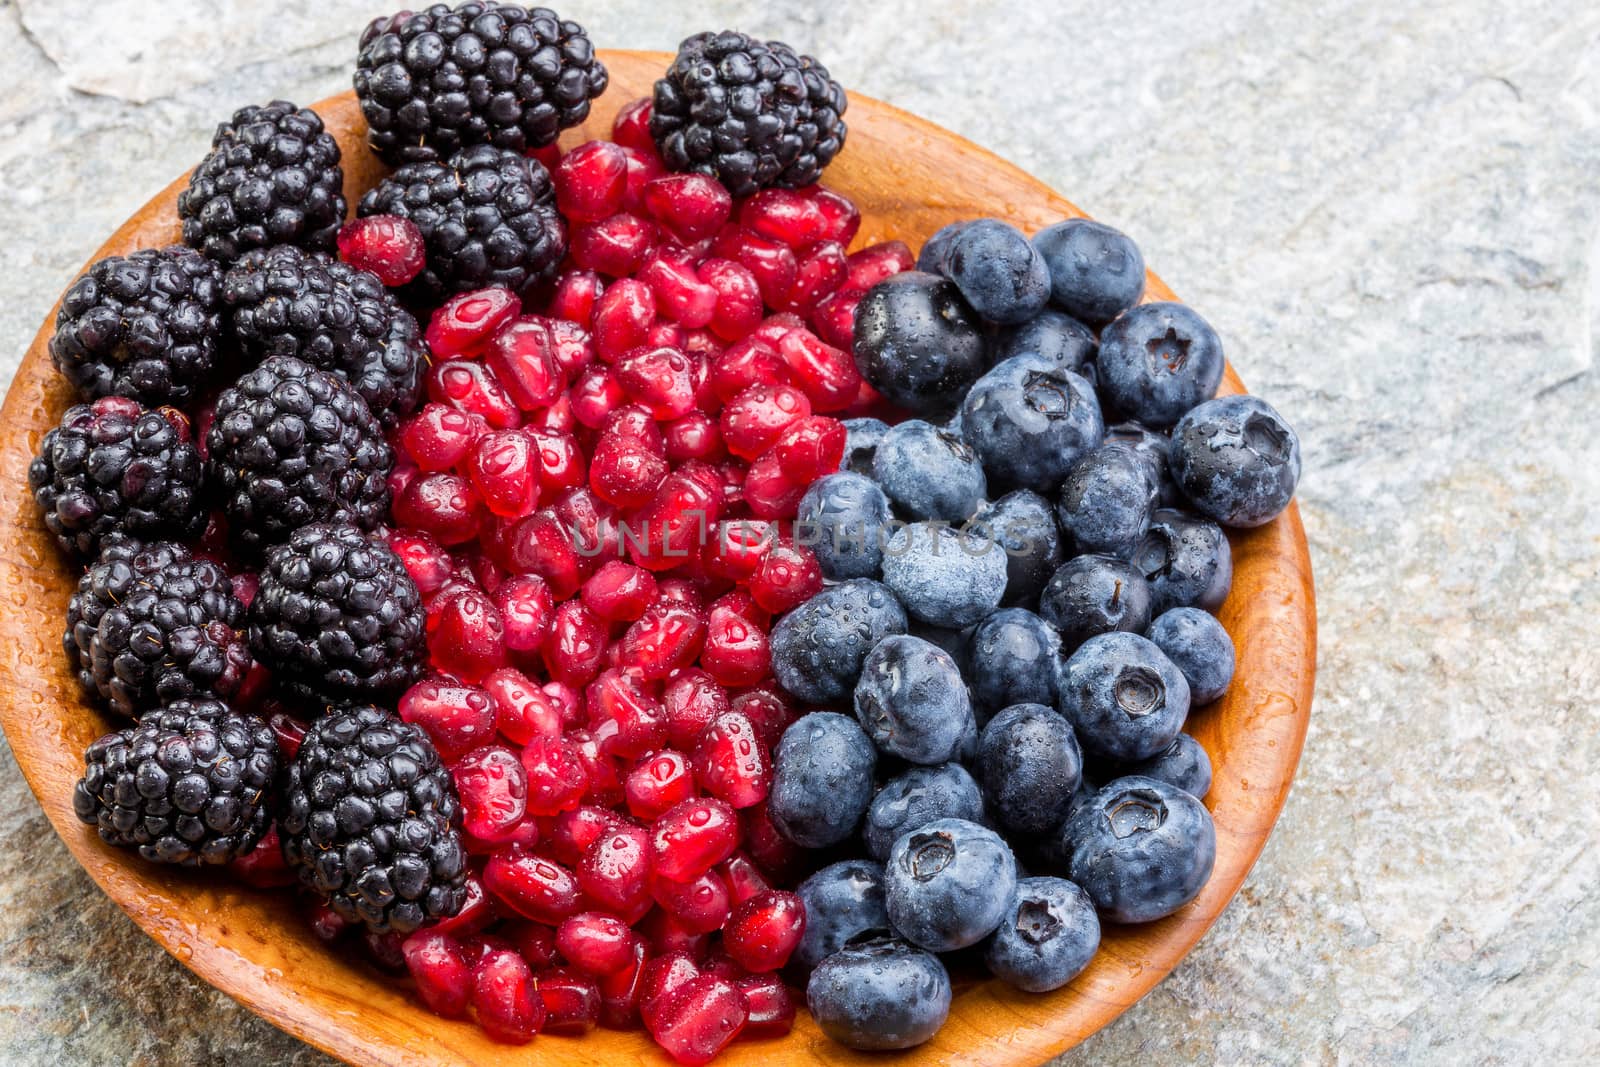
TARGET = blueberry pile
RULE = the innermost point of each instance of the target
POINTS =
(1017, 623)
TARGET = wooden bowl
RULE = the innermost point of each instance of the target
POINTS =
(909, 178)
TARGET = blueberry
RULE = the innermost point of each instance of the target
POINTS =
(935, 254)
(1028, 765)
(929, 473)
(1201, 648)
(1151, 446)
(943, 576)
(998, 270)
(1141, 849)
(911, 700)
(1024, 525)
(952, 641)
(1236, 459)
(817, 648)
(822, 779)
(861, 443)
(843, 902)
(1186, 560)
(919, 796)
(845, 516)
(1157, 361)
(1054, 335)
(948, 884)
(1029, 420)
(880, 994)
(1091, 595)
(1183, 764)
(1096, 272)
(1047, 939)
(1125, 699)
(918, 343)
(1106, 501)
(1012, 659)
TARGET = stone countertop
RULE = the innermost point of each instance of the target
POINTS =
(1388, 208)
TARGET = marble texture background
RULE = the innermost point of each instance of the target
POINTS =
(1389, 210)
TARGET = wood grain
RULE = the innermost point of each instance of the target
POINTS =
(909, 178)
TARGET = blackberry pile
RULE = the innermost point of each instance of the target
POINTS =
(187, 785)
(488, 218)
(291, 445)
(286, 301)
(272, 177)
(144, 326)
(337, 617)
(370, 821)
(436, 81)
(751, 114)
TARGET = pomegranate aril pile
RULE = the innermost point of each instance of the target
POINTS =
(591, 502)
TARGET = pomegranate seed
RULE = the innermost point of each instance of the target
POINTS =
(625, 471)
(809, 448)
(735, 651)
(844, 218)
(766, 845)
(657, 782)
(505, 471)
(473, 388)
(738, 309)
(465, 322)
(596, 944)
(667, 636)
(476, 947)
(744, 879)
(769, 1004)
(439, 971)
(774, 326)
(737, 547)
(738, 601)
(700, 905)
(619, 993)
(785, 215)
(690, 206)
(662, 977)
(631, 127)
(700, 1019)
(523, 835)
(616, 247)
(557, 778)
(438, 436)
(754, 419)
(571, 1001)
(682, 591)
(505, 998)
(386, 245)
(576, 644)
(624, 715)
(667, 532)
(573, 832)
(574, 297)
(590, 181)
(456, 717)
(694, 436)
(643, 168)
(522, 358)
(680, 294)
(834, 318)
(767, 711)
(536, 942)
(744, 364)
(477, 913)
(525, 607)
(827, 374)
(595, 395)
(494, 792)
(662, 379)
(875, 263)
(485, 572)
(561, 462)
(605, 776)
(768, 491)
(635, 421)
(772, 262)
(444, 505)
(383, 949)
(465, 635)
(532, 886)
(264, 866)
(622, 318)
(730, 763)
(667, 935)
(787, 578)
(763, 931)
(429, 565)
(690, 700)
(615, 872)
(693, 837)
(549, 156)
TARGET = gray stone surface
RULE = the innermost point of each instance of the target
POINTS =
(1388, 209)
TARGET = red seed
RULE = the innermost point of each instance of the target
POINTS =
(532, 886)
(738, 309)
(505, 472)
(844, 218)
(744, 879)
(525, 607)
(693, 837)
(667, 636)
(828, 375)
(769, 1004)
(438, 436)
(764, 931)
(810, 448)
(439, 971)
(590, 181)
(700, 906)
(700, 1019)
(662, 379)
(595, 943)
(571, 1001)
(388, 246)
(690, 700)
(444, 505)
(616, 246)
(662, 977)
(754, 419)
(465, 635)
(456, 717)
(619, 993)
(631, 127)
(731, 763)
(494, 792)
(690, 206)
(785, 215)
(619, 591)
(772, 262)
(574, 297)
(561, 461)
(465, 322)
(834, 319)
(735, 651)
(576, 644)
(522, 357)
(557, 777)
(787, 578)
(873, 264)
(680, 293)
(657, 782)
(595, 394)
(615, 872)
(473, 388)
(505, 998)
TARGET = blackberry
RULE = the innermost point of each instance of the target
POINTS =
(292, 445)
(272, 178)
(151, 624)
(748, 113)
(337, 616)
(144, 325)
(286, 301)
(370, 819)
(188, 784)
(436, 81)
(488, 217)
(112, 466)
